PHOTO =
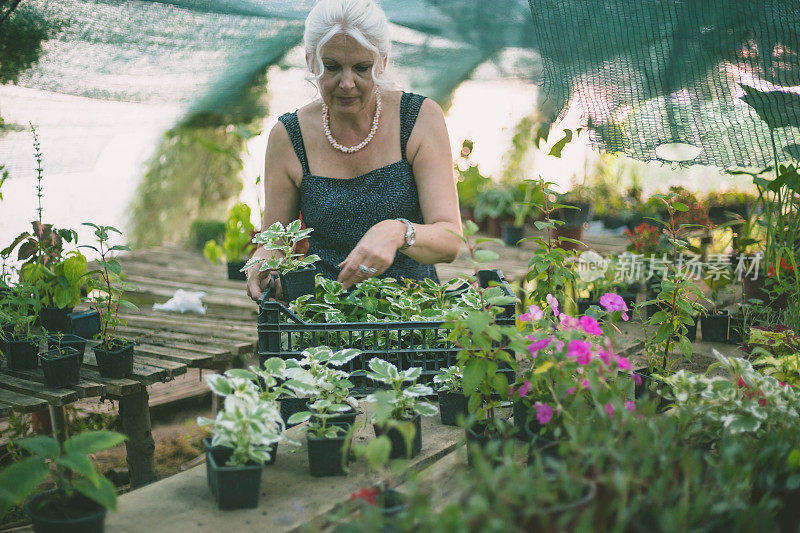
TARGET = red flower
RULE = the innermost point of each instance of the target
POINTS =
(368, 495)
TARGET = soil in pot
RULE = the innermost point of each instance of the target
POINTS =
(53, 512)
(116, 362)
(22, 355)
(715, 326)
(56, 319)
(238, 487)
(234, 268)
(298, 283)
(61, 367)
(399, 449)
(512, 234)
(85, 324)
(326, 456)
(451, 405)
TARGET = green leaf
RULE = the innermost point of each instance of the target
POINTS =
(486, 256)
(19, 480)
(41, 446)
(425, 409)
(78, 463)
(474, 372)
(299, 417)
(377, 452)
(241, 374)
(103, 492)
(686, 347)
(559, 146)
(664, 331)
(680, 206)
(383, 370)
(114, 266)
(93, 441)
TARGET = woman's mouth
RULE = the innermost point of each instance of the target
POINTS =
(347, 101)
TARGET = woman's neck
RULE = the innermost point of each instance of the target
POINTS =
(357, 123)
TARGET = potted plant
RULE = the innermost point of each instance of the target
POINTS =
(69, 340)
(61, 366)
(521, 208)
(452, 401)
(82, 495)
(328, 441)
(297, 273)
(237, 243)
(492, 205)
(243, 433)
(714, 323)
(114, 354)
(21, 346)
(399, 410)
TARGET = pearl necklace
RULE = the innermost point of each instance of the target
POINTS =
(350, 149)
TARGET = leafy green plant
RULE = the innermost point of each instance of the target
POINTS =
(317, 373)
(60, 284)
(448, 380)
(399, 402)
(18, 310)
(493, 201)
(775, 351)
(107, 286)
(247, 424)
(236, 243)
(282, 243)
(70, 465)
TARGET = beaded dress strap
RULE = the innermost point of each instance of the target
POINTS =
(292, 126)
(410, 104)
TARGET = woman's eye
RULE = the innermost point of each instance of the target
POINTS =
(363, 68)
(331, 68)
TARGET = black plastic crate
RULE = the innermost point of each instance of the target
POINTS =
(281, 333)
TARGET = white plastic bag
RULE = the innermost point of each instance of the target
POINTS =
(183, 302)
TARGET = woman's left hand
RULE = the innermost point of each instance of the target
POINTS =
(375, 252)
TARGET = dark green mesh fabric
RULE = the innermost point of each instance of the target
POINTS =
(648, 72)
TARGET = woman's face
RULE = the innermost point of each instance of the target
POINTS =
(346, 84)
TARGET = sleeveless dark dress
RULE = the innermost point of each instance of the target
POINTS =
(342, 210)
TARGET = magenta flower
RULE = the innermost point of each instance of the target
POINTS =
(636, 379)
(540, 344)
(534, 313)
(581, 351)
(630, 405)
(606, 356)
(570, 391)
(553, 303)
(609, 410)
(613, 302)
(590, 325)
(525, 388)
(544, 413)
(623, 363)
(568, 322)
(585, 384)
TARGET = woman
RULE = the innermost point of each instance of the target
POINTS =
(370, 169)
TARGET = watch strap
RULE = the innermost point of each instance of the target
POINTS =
(411, 234)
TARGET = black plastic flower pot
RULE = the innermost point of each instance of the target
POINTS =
(691, 331)
(392, 502)
(584, 305)
(234, 271)
(736, 333)
(479, 435)
(298, 283)
(326, 456)
(715, 327)
(117, 362)
(22, 355)
(399, 449)
(238, 487)
(523, 414)
(85, 324)
(451, 405)
(222, 455)
(61, 367)
(56, 319)
(290, 406)
(44, 509)
(68, 341)
(512, 234)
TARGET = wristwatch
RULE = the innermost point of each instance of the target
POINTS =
(411, 234)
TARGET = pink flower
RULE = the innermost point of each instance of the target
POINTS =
(623, 363)
(590, 325)
(630, 405)
(568, 322)
(581, 351)
(636, 379)
(553, 303)
(613, 302)
(606, 356)
(540, 344)
(525, 388)
(570, 391)
(544, 413)
(534, 313)
(609, 410)
(585, 384)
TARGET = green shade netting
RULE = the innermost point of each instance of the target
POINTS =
(640, 73)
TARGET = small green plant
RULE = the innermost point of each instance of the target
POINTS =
(60, 284)
(247, 424)
(400, 402)
(18, 311)
(449, 380)
(236, 242)
(107, 286)
(70, 465)
(281, 243)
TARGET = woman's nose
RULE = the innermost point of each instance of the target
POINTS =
(347, 80)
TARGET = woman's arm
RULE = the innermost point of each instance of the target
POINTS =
(438, 240)
(280, 197)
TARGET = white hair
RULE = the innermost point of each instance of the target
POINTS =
(362, 20)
